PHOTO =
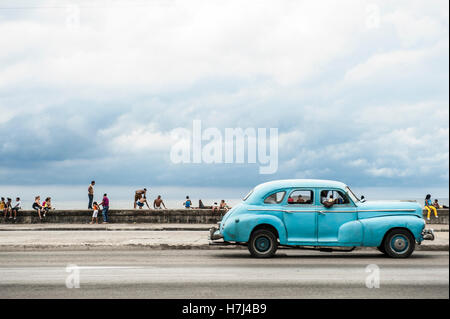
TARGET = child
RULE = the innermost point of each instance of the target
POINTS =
(429, 206)
(95, 213)
(16, 207)
(47, 205)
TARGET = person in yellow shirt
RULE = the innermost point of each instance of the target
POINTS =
(429, 206)
(2, 205)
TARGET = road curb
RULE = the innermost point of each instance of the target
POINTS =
(169, 247)
(110, 229)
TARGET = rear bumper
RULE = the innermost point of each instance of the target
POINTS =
(428, 234)
(214, 233)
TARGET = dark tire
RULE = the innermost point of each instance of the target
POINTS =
(399, 243)
(263, 243)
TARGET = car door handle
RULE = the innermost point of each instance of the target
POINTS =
(321, 212)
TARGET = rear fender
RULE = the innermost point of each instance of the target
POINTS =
(239, 228)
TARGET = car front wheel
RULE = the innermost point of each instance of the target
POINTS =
(399, 243)
(263, 243)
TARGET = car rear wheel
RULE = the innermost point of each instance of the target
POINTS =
(263, 243)
(399, 243)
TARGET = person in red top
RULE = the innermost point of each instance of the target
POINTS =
(105, 204)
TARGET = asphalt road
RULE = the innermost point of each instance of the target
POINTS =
(221, 274)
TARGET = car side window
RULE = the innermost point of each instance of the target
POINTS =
(333, 197)
(275, 198)
(305, 197)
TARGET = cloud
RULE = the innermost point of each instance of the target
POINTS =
(366, 104)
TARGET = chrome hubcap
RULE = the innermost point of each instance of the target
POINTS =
(262, 244)
(399, 243)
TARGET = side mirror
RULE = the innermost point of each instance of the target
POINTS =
(363, 199)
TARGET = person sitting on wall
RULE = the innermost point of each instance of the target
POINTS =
(429, 207)
(187, 203)
(438, 206)
(138, 195)
(224, 205)
(16, 207)
(158, 202)
(47, 204)
(141, 202)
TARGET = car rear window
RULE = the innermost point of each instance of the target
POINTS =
(275, 198)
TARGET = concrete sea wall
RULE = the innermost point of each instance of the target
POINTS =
(173, 216)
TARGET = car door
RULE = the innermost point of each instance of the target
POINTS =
(329, 220)
(300, 216)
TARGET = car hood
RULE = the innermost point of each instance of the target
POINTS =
(389, 207)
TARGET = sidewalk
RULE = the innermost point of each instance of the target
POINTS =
(130, 236)
(105, 227)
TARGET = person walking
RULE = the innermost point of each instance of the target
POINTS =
(429, 207)
(105, 205)
(91, 194)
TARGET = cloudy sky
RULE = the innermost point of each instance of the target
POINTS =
(92, 89)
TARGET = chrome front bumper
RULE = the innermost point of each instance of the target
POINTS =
(428, 234)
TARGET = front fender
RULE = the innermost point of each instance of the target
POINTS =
(375, 228)
(238, 228)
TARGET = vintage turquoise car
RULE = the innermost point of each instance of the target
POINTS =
(320, 214)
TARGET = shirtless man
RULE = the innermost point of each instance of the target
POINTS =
(138, 194)
(158, 202)
(141, 202)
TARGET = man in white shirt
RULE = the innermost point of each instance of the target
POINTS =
(16, 207)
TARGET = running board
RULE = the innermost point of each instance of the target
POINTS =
(321, 248)
(225, 243)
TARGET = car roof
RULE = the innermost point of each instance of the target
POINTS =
(264, 188)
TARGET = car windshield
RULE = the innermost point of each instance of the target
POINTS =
(352, 195)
